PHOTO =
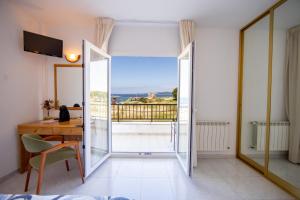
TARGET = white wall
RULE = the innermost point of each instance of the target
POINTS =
(216, 77)
(72, 34)
(20, 81)
(145, 40)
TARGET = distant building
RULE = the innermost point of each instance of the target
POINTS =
(114, 100)
(151, 95)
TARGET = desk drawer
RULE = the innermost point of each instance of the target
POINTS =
(39, 131)
(62, 131)
(77, 131)
(67, 131)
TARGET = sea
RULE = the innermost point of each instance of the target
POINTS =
(124, 97)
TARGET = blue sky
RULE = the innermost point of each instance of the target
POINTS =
(143, 74)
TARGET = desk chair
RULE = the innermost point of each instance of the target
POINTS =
(43, 153)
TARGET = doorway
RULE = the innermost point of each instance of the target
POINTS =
(144, 104)
(98, 112)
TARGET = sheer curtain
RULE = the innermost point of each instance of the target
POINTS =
(103, 31)
(293, 91)
(187, 32)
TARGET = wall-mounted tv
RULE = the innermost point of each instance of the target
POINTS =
(42, 44)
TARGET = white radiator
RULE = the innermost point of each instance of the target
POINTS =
(279, 135)
(212, 136)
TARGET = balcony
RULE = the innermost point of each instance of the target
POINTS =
(143, 127)
(144, 112)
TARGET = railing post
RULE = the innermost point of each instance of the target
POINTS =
(151, 113)
(118, 112)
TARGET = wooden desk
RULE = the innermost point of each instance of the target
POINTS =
(71, 130)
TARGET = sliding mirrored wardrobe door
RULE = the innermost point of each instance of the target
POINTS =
(254, 93)
(284, 148)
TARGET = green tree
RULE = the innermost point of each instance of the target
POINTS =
(174, 93)
(143, 100)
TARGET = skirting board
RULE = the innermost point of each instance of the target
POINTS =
(4, 178)
(215, 155)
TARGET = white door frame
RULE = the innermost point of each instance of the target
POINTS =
(87, 46)
(188, 166)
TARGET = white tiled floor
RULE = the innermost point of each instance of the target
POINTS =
(284, 169)
(156, 179)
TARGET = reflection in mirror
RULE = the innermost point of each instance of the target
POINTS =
(184, 107)
(68, 85)
(99, 105)
(255, 87)
(285, 113)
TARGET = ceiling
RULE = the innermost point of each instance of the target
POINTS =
(206, 13)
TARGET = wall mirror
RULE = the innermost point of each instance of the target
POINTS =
(269, 95)
(68, 85)
(254, 90)
(284, 148)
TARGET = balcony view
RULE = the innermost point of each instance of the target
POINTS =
(143, 110)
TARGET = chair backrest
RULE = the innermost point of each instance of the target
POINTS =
(35, 143)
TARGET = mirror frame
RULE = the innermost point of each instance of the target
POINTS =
(56, 84)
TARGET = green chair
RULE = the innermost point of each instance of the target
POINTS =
(43, 153)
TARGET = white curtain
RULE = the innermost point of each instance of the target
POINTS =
(187, 32)
(103, 31)
(293, 91)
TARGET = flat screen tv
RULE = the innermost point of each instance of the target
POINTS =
(42, 44)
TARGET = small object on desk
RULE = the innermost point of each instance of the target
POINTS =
(48, 105)
(76, 105)
(64, 114)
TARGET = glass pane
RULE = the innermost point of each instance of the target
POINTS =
(69, 86)
(255, 82)
(98, 106)
(285, 130)
(184, 107)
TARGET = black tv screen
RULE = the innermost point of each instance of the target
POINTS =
(42, 44)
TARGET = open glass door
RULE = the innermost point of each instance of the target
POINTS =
(97, 119)
(185, 122)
